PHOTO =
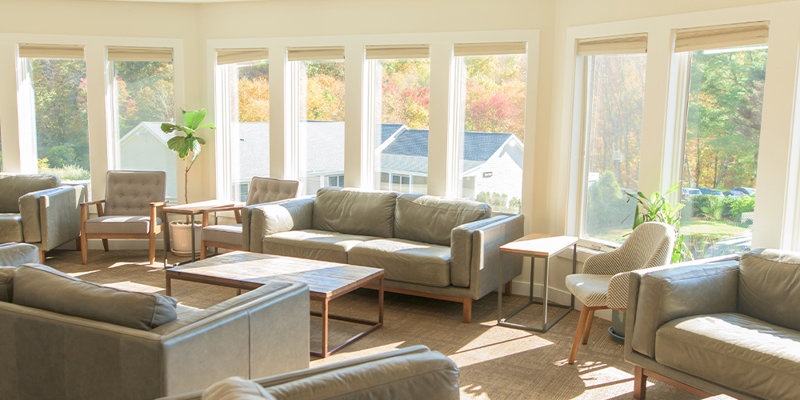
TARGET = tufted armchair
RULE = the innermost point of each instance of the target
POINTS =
(604, 281)
(262, 190)
(132, 203)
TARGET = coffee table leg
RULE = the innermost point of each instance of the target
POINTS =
(169, 286)
(380, 302)
(324, 328)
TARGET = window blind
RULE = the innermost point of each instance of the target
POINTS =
(489, 49)
(630, 44)
(139, 54)
(30, 50)
(233, 56)
(395, 51)
(716, 37)
(316, 53)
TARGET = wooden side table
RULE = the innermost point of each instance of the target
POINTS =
(190, 210)
(537, 245)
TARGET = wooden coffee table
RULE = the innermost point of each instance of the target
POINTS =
(326, 281)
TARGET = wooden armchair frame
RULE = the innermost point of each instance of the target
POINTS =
(154, 229)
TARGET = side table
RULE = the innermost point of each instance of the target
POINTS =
(544, 246)
(190, 210)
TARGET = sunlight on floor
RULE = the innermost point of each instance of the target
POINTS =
(492, 345)
(134, 287)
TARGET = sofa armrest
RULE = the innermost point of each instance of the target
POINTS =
(661, 294)
(51, 217)
(14, 254)
(260, 220)
(475, 253)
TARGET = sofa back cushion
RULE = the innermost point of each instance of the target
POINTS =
(769, 287)
(45, 288)
(430, 219)
(265, 190)
(354, 211)
(13, 186)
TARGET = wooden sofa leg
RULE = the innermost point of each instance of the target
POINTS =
(78, 243)
(639, 383)
(467, 310)
(507, 290)
(105, 244)
(41, 256)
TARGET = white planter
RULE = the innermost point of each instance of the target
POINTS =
(180, 238)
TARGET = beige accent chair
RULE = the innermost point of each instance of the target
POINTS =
(718, 326)
(38, 209)
(604, 281)
(262, 190)
(410, 373)
(446, 249)
(64, 338)
(132, 203)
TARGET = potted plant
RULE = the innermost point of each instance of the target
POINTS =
(188, 145)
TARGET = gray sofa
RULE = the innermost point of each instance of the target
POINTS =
(428, 246)
(729, 327)
(411, 373)
(38, 209)
(64, 338)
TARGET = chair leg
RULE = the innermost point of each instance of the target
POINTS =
(105, 244)
(152, 249)
(639, 383)
(203, 250)
(84, 248)
(589, 319)
(467, 310)
(507, 291)
(78, 243)
(578, 334)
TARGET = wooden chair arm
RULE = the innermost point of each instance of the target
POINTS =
(158, 203)
(89, 203)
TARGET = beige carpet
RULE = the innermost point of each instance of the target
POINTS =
(495, 362)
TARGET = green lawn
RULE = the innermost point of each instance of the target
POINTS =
(700, 226)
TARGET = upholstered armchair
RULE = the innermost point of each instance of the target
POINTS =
(132, 203)
(604, 281)
(39, 210)
(262, 190)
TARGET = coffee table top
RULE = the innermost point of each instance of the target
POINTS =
(324, 279)
(539, 244)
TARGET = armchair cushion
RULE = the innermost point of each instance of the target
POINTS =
(769, 287)
(10, 227)
(313, 244)
(405, 260)
(131, 192)
(15, 186)
(231, 234)
(13, 254)
(45, 288)
(236, 388)
(264, 190)
(354, 212)
(590, 289)
(431, 219)
(120, 224)
(734, 350)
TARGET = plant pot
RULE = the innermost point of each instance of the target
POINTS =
(180, 237)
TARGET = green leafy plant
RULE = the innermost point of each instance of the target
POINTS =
(657, 208)
(714, 208)
(188, 145)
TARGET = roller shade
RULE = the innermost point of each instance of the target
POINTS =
(721, 36)
(316, 53)
(233, 56)
(489, 49)
(28, 50)
(401, 51)
(630, 44)
(139, 54)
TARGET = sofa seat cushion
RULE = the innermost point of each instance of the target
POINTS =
(313, 244)
(120, 224)
(10, 227)
(45, 288)
(431, 219)
(590, 289)
(734, 350)
(405, 260)
(230, 234)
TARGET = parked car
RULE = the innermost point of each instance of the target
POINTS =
(734, 193)
(746, 191)
(711, 192)
(689, 192)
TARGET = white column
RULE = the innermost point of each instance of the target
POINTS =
(100, 101)
(9, 127)
(277, 131)
(357, 146)
(440, 136)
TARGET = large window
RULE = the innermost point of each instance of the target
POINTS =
(244, 74)
(614, 90)
(144, 98)
(491, 131)
(56, 77)
(721, 143)
(318, 109)
(400, 88)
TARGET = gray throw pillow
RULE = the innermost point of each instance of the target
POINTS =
(45, 288)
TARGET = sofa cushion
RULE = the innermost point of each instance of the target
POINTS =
(13, 186)
(236, 388)
(405, 260)
(7, 283)
(45, 288)
(734, 350)
(769, 287)
(120, 224)
(430, 219)
(10, 227)
(231, 234)
(356, 212)
(313, 244)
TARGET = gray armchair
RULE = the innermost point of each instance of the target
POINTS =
(411, 373)
(132, 203)
(604, 281)
(38, 209)
(262, 190)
